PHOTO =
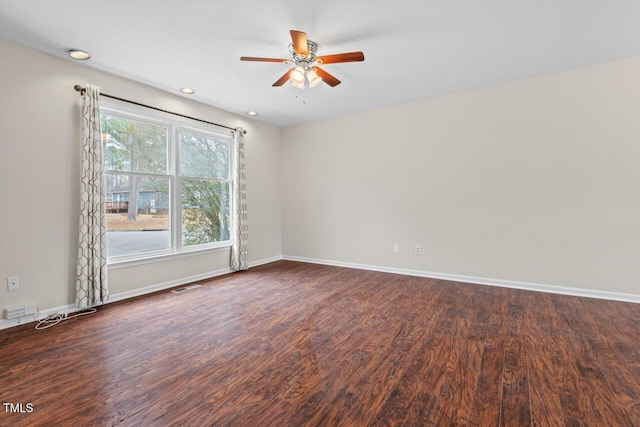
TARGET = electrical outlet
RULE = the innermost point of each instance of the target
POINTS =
(417, 250)
(396, 248)
(13, 283)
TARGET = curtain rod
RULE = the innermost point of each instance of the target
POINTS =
(82, 90)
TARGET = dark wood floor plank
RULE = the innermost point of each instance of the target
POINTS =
(439, 359)
(516, 406)
(604, 399)
(300, 344)
(487, 400)
(326, 326)
(610, 346)
(455, 392)
(542, 322)
(378, 362)
(340, 323)
(394, 411)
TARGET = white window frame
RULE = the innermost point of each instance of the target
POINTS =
(174, 126)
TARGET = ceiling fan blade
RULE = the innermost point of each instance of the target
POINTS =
(300, 42)
(326, 77)
(252, 58)
(282, 80)
(340, 57)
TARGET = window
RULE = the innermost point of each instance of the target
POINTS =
(204, 188)
(168, 186)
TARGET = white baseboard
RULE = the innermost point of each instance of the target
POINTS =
(265, 261)
(65, 309)
(184, 280)
(4, 324)
(580, 292)
(166, 285)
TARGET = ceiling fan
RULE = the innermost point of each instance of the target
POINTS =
(303, 55)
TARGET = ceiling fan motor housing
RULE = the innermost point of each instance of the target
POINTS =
(300, 58)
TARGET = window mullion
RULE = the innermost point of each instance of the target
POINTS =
(176, 222)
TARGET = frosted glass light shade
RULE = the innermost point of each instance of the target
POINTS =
(297, 75)
(314, 79)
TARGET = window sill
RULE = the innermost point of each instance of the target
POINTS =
(150, 259)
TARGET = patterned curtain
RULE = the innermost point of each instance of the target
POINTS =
(240, 248)
(91, 279)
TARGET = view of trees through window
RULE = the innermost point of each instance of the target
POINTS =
(204, 168)
(146, 176)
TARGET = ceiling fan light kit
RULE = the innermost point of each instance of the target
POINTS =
(297, 75)
(313, 77)
(303, 56)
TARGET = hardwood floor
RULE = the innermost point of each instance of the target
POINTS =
(293, 344)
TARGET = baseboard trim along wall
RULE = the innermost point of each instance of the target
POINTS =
(579, 292)
(69, 308)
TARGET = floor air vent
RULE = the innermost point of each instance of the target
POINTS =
(186, 288)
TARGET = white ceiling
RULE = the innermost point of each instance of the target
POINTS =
(414, 49)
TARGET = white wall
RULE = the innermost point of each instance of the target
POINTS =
(39, 179)
(534, 181)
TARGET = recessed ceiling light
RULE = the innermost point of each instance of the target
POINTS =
(187, 91)
(252, 113)
(79, 54)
